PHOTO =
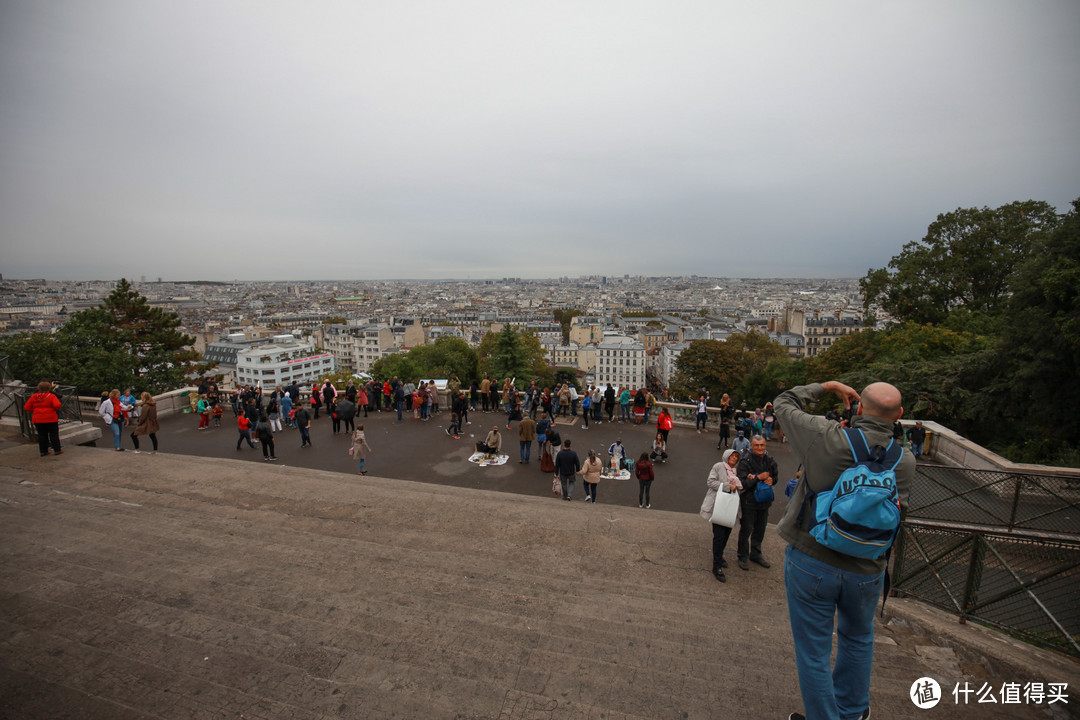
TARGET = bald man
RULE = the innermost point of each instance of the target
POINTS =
(825, 586)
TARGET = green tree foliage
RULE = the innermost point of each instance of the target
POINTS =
(1039, 354)
(122, 343)
(897, 345)
(444, 358)
(721, 366)
(992, 343)
(763, 384)
(447, 357)
(965, 261)
(401, 365)
(512, 353)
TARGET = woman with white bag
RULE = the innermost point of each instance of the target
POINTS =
(721, 506)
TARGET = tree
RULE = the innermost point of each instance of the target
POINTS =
(446, 357)
(34, 357)
(721, 366)
(400, 365)
(966, 261)
(897, 345)
(1039, 355)
(122, 343)
(510, 353)
(764, 384)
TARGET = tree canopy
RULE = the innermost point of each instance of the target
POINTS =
(513, 353)
(443, 358)
(124, 342)
(966, 260)
(719, 366)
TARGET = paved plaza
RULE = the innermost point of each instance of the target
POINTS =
(202, 582)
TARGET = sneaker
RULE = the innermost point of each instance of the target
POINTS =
(273, 458)
(640, 505)
(648, 507)
(761, 561)
(58, 452)
(138, 452)
(744, 565)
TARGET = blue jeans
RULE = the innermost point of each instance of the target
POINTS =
(625, 417)
(916, 449)
(816, 593)
(526, 449)
(699, 423)
(117, 428)
(767, 429)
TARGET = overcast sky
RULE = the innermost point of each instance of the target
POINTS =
(357, 140)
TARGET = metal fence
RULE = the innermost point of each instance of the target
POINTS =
(15, 396)
(1000, 548)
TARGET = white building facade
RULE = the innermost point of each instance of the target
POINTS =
(621, 362)
(283, 361)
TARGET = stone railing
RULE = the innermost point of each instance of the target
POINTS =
(948, 448)
(168, 403)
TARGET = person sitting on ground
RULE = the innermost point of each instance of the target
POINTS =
(659, 448)
(492, 443)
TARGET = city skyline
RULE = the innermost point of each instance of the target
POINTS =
(278, 142)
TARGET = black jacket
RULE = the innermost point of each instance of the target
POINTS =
(751, 464)
(567, 463)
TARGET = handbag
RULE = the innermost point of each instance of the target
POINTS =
(556, 486)
(763, 493)
(725, 509)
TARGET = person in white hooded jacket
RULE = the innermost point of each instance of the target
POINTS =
(723, 477)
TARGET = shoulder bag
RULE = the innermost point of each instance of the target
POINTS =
(725, 509)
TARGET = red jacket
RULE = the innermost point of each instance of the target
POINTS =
(44, 407)
(664, 422)
(243, 423)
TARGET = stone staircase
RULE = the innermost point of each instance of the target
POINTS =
(160, 586)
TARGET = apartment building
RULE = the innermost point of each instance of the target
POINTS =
(621, 362)
(285, 359)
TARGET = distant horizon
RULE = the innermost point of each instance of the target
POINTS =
(164, 281)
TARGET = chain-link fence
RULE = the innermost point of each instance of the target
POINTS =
(1001, 548)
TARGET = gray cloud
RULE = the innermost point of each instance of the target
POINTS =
(425, 139)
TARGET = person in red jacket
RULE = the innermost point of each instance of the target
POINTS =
(43, 406)
(664, 423)
(244, 426)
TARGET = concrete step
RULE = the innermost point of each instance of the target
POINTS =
(139, 586)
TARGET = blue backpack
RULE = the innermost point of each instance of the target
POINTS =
(860, 514)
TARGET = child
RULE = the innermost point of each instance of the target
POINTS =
(359, 448)
(454, 430)
(217, 415)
